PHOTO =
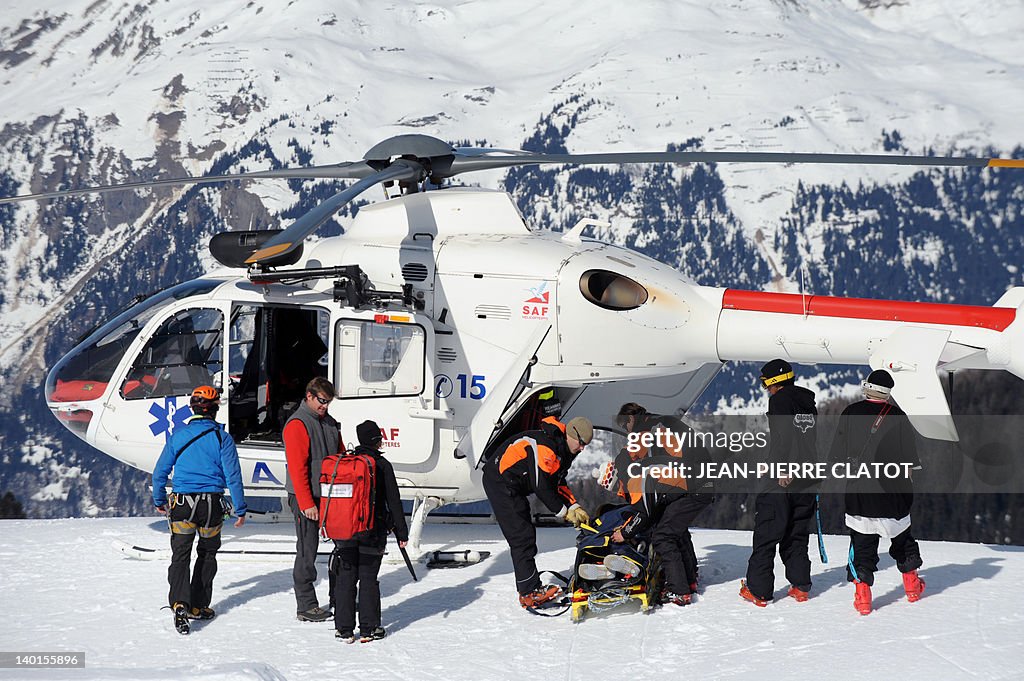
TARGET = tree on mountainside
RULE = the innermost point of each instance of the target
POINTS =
(10, 507)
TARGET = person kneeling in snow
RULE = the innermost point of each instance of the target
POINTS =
(877, 430)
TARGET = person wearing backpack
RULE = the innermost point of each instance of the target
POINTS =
(205, 461)
(310, 435)
(356, 561)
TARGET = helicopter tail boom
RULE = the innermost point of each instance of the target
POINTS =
(911, 340)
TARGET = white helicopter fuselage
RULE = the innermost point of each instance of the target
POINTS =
(503, 313)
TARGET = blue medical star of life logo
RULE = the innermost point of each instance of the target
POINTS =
(168, 417)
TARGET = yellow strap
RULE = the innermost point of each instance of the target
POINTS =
(207, 532)
(778, 379)
(183, 527)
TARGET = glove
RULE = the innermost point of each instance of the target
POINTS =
(607, 476)
(576, 515)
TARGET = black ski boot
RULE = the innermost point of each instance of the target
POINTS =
(377, 634)
(181, 618)
(201, 614)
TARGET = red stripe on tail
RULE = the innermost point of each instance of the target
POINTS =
(995, 318)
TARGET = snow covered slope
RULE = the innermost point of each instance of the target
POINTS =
(66, 587)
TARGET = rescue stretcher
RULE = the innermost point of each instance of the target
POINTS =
(608, 575)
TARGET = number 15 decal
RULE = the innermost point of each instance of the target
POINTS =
(472, 387)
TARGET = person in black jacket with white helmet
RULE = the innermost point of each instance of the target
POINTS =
(876, 431)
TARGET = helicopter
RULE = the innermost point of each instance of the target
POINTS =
(443, 317)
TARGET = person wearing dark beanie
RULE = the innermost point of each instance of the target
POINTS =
(359, 558)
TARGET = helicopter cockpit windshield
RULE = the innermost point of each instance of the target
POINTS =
(83, 374)
(85, 371)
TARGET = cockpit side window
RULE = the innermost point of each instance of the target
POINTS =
(185, 351)
(612, 291)
(84, 372)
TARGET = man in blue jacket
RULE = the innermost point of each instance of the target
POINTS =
(205, 461)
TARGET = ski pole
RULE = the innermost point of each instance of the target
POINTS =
(821, 538)
(408, 563)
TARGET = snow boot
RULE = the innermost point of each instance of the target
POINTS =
(539, 597)
(345, 636)
(913, 585)
(314, 614)
(676, 599)
(201, 614)
(862, 599)
(798, 594)
(622, 565)
(180, 611)
(746, 594)
(593, 572)
(377, 634)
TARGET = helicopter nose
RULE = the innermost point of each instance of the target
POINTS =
(74, 419)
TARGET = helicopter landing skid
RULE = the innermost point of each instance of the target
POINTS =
(421, 507)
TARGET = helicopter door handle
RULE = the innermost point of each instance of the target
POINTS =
(433, 414)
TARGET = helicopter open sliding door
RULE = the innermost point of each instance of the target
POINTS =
(381, 374)
(273, 352)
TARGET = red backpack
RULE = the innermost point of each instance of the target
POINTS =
(348, 486)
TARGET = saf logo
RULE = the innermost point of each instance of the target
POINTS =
(390, 436)
(538, 306)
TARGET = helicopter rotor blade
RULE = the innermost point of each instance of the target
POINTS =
(413, 157)
(337, 171)
(469, 160)
(291, 238)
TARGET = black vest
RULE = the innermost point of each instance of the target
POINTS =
(324, 440)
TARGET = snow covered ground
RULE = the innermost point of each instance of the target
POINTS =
(66, 587)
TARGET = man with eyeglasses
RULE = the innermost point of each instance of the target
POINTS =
(310, 435)
(534, 462)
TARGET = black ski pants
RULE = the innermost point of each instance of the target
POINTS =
(307, 541)
(672, 540)
(512, 511)
(356, 565)
(864, 555)
(782, 520)
(192, 514)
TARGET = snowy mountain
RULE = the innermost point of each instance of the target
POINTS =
(466, 623)
(97, 92)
